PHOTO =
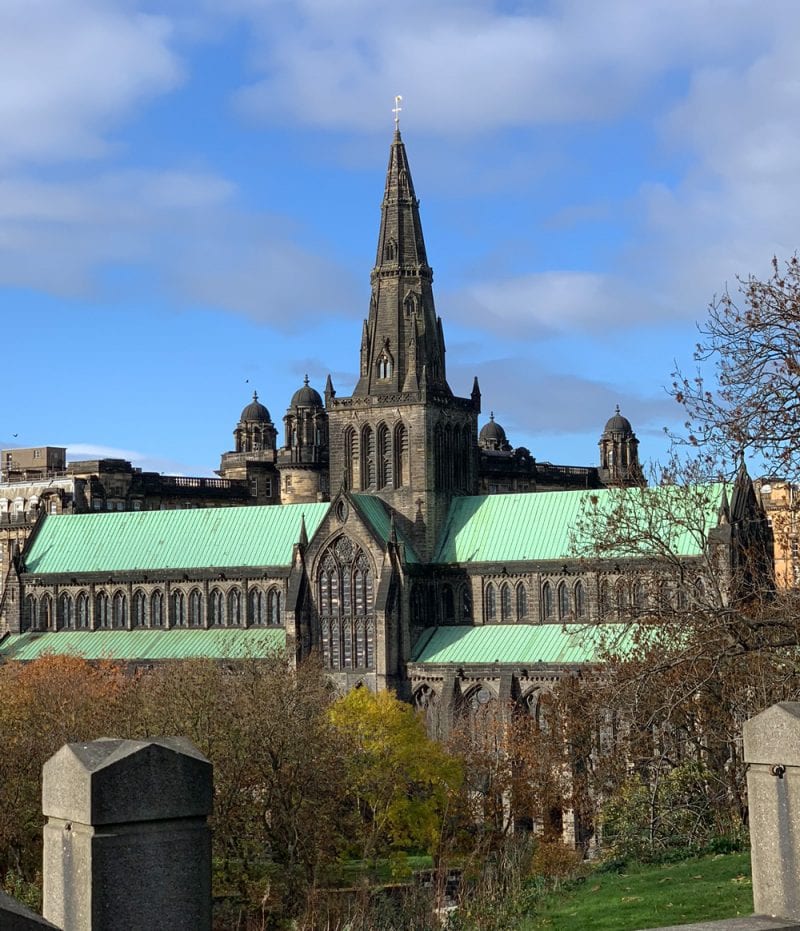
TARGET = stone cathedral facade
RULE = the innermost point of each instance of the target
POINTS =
(386, 534)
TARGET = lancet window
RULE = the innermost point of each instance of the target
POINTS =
(195, 608)
(82, 611)
(139, 609)
(156, 609)
(119, 610)
(67, 615)
(346, 607)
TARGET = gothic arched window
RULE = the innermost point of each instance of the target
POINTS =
(522, 602)
(505, 602)
(119, 610)
(384, 457)
(384, 366)
(580, 599)
(139, 609)
(216, 608)
(46, 612)
(605, 599)
(177, 609)
(30, 612)
(274, 607)
(346, 597)
(466, 603)
(257, 607)
(82, 611)
(400, 471)
(65, 611)
(491, 602)
(235, 607)
(156, 609)
(620, 598)
(367, 458)
(101, 613)
(547, 601)
(350, 456)
(195, 608)
(563, 601)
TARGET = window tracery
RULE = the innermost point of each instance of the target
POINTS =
(345, 599)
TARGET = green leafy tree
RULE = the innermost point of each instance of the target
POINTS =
(399, 781)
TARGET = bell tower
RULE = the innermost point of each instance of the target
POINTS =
(403, 435)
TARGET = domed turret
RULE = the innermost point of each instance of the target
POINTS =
(255, 412)
(618, 424)
(619, 453)
(255, 431)
(306, 396)
(303, 459)
(253, 454)
(493, 436)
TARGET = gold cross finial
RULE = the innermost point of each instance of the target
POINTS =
(396, 110)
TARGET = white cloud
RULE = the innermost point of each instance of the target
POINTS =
(546, 302)
(183, 227)
(532, 402)
(70, 69)
(474, 66)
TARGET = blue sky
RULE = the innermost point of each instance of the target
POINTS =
(190, 193)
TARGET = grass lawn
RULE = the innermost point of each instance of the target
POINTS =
(702, 889)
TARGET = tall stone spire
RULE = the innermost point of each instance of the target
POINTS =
(402, 336)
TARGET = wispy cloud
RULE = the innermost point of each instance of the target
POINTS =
(71, 69)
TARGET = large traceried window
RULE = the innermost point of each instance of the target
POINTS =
(346, 606)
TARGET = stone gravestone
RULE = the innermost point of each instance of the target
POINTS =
(772, 752)
(127, 844)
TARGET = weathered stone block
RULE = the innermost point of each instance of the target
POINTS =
(772, 752)
(127, 845)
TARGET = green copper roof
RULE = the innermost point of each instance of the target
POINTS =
(142, 645)
(542, 526)
(374, 511)
(186, 539)
(520, 644)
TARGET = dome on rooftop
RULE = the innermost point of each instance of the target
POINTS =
(492, 435)
(306, 396)
(618, 424)
(255, 412)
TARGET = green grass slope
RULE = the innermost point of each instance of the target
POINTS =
(700, 889)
